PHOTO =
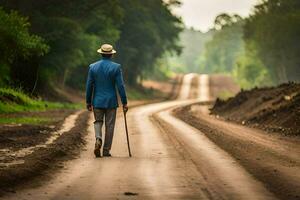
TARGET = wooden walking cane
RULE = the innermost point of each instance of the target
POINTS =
(127, 133)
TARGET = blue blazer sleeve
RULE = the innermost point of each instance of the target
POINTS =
(89, 87)
(121, 86)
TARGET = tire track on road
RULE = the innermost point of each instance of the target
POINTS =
(158, 169)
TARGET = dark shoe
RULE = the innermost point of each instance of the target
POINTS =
(106, 154)
(97, 149)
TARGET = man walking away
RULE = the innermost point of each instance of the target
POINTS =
(103, 78)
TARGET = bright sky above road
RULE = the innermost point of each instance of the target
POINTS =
(200, 14)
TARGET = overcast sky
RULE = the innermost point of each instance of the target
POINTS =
(200, 14)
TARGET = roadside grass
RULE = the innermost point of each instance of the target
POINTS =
(142, 93)
(15, 100)
(12, 100)
(25, 120)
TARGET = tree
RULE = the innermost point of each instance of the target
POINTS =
(193, 44)
(225, 19)
(275, 28)
(149, 29)
(18, 45)
(74, 30)
(225, 46)
(249, 71)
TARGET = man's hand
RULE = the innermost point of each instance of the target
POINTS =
(125, 108)
(89, 107)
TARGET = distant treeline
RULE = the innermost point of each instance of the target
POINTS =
(263, 49)
(52, 42)
(194, 44)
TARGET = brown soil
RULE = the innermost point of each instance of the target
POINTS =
(167, 89)
(43, 161)
(46, 160)
(271, 158)
(275, 109)
(20, 136)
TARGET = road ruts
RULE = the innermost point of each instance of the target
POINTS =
(171, 160)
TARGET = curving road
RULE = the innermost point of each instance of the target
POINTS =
(171, 160)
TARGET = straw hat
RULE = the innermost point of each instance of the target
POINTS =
(107, 49)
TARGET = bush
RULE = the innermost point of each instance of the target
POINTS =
(16, 44)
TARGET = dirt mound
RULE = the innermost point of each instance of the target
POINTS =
(275, 109)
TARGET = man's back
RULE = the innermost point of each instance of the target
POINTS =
(101, 98)
(103, 78)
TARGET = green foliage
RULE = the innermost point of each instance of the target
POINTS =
(275, 28)
(25, 120)
(226, 45)
(74, 30)
(12, 100)
(261, 50)
(193, 43)
(15, 39)
(224, 95)
(225, 20)
(148, 31)
(141, 93)
(249, 71)
(161, 70)
(16, 43)
(136, 94)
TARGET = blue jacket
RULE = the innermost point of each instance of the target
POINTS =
(103, 78)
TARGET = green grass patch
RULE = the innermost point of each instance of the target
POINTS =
(224, 95)
(142, 94)
(12, 100)
(25, 120)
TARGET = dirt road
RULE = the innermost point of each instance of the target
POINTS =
(171, 160)
(271, 157)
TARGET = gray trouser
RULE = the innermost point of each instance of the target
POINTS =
(110, 118)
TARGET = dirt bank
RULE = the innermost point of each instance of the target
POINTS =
(164, 90)
(17, 136)
(271, 158)
(275, 109)
(44, 160)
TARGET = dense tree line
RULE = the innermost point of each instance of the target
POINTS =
(63, 36)
(262, 49)
(193, 43)
(148, 31)
(274, 28)
(220, 52)
(16, 46)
